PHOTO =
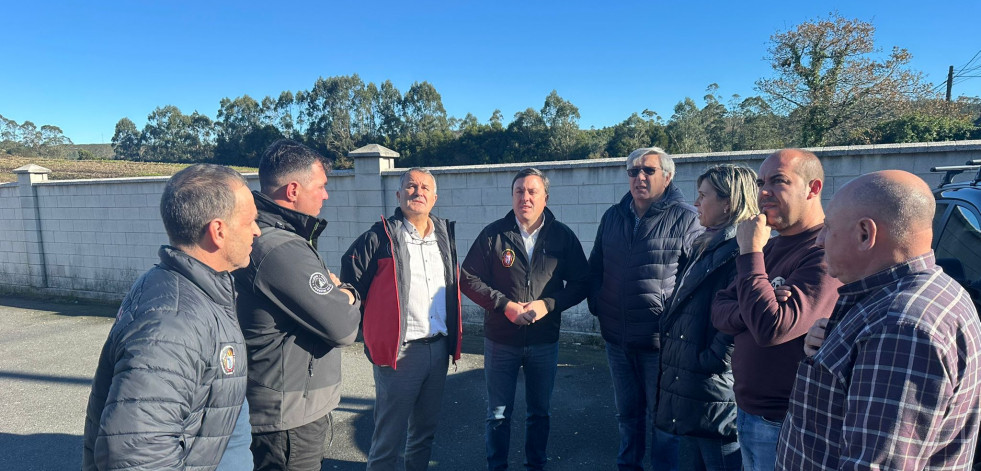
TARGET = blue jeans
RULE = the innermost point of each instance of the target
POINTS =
(757, 441)
(635, 376)
(709, 454)
(237, 453)
(501, 365)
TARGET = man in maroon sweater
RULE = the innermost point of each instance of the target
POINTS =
(781, 288)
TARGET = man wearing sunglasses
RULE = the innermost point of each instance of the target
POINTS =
(641, 243)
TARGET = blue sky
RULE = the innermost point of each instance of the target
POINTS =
(84, 65)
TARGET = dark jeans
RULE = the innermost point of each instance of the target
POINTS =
(501, 365)
(709, 454)
(757, 441)
(635, 376)
(296, 449)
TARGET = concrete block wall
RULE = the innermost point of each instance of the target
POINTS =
(93, 238)
(14, 270)
(99, 235)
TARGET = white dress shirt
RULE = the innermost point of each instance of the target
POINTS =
(426, 298)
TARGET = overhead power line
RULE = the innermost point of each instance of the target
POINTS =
(964, 73)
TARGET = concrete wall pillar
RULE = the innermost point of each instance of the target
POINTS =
(27, 177)
(369, 190)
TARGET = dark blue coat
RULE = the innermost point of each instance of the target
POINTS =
(696, 397)
(633, 275)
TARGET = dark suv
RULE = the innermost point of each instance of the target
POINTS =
(957, 234)
(957, 226)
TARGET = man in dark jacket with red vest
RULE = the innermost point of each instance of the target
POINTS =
(405, 269)
(524, 270)
(640, 245)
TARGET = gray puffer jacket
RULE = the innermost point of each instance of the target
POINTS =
(171, 377)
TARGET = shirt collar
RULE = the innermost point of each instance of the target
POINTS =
(888, 276)
(532, 233)
(414, 233)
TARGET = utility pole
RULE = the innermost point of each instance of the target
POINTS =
(950, 81)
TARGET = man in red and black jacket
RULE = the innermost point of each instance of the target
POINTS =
(524, 270)
(405, 270)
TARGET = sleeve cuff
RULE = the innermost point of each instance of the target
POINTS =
(750, 263)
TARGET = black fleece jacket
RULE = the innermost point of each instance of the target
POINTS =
(496, 271)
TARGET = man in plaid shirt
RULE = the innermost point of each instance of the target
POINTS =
(897, 381)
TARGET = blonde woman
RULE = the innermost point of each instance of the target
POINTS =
(696, 401)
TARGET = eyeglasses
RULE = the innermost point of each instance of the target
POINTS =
(633, 172)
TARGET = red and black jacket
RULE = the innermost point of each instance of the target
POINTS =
(377, 266)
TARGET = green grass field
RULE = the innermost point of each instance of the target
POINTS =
(62, 169)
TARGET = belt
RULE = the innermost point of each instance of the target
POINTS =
(427, 340)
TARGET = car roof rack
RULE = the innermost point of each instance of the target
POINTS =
(954, 170)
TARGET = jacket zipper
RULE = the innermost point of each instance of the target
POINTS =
(316, 225)
(623, 287)
(306, 385)
(536, 253)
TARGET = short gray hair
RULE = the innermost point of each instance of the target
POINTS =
(667, 163)
(528, 172)
(425, 171)
(194, 197)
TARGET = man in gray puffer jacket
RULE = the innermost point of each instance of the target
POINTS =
(171, 377)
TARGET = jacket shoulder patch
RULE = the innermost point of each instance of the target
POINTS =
(320, 284)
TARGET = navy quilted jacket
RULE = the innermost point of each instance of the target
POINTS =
(696, 397)
(633, 272)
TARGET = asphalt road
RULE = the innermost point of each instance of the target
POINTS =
(48, 353)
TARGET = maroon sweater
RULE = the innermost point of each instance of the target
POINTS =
(769, 336)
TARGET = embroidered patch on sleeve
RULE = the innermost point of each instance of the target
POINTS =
(320, 284)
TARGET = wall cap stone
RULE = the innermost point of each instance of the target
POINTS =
(32, 168)
(373, 150)
(874, 149)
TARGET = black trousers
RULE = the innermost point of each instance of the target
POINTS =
(297, 449)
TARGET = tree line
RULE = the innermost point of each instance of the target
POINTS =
(28, 139)
(829, 85)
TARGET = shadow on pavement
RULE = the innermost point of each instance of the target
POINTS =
(40, 451)
(46, 378)
(49, 349)
(63, 307)
(584, 430)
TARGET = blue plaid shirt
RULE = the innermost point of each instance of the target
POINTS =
(896, 384)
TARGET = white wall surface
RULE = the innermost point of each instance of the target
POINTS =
(97, 236)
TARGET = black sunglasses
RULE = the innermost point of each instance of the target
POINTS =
(633, 172)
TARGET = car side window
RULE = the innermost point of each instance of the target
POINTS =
(938, 219)
(959, 248)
